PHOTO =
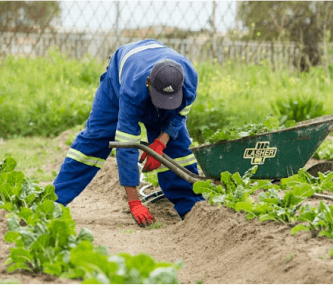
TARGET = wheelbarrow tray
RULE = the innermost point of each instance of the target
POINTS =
(278, 154)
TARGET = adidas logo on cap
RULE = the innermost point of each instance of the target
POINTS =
(169, 89)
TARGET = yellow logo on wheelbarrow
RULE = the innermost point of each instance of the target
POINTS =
(260, 152)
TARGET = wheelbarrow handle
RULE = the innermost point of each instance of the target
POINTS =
(164, 159)
(165, 156)
(172, 165)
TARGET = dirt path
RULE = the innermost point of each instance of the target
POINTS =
(217, 245)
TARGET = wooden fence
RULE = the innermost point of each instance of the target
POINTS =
(199, 49)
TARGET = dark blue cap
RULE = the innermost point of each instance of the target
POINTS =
(167, 78)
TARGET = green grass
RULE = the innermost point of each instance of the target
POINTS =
(10, 281)
(36, 156)
(235, 95)
(46, 95)
(156, 225)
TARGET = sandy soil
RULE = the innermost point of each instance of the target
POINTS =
(217, 245)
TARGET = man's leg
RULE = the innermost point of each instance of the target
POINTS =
(176, 189)
(90, 149)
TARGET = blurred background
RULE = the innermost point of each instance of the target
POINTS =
(294, 33)
(254, 59)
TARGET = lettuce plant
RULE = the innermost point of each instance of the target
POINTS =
(45, 239)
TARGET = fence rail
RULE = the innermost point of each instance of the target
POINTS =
(200, 48)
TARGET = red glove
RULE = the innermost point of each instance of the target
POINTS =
(140, 213)
(151, 163)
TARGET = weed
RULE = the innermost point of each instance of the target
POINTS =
(156, 225)
(322, 257)
(289, 257)
(10, 281)
(128, 231)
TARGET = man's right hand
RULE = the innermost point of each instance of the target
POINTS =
(140, 213)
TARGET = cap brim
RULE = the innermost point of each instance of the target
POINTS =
(167, 102)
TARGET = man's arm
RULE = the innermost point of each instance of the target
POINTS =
(132, 191)
(164, 137)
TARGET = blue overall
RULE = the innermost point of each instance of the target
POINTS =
(122, 101)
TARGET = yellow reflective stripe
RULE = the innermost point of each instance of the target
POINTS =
(138, 49)
(124, 137)
(184, 161)
(88, 160)
(185, 110)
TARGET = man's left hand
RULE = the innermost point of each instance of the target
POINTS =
(151, 163)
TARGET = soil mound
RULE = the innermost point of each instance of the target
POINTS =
(217, 245)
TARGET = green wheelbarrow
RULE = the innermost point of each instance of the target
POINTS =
(277, 154)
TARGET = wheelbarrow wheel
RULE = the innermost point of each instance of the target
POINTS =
(320, 167)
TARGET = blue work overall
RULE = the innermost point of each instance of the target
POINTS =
(122, 101)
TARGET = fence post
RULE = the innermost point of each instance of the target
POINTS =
(117, 24)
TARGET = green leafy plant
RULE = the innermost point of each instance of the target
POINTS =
(45, 239)
(297, 188)
(230, 133)
(298, 108)
(283, 209)
(325, 150)
(306, 180)
(234, 193)
(151, 177)
(17, 191)
(95, 266)
(233, 189)
(319, 219)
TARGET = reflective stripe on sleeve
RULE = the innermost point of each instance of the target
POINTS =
(124, 137)
(138, 49)
(185, 110)
(88, 160)
(184, 161)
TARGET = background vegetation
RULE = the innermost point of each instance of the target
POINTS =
(54, 93)
(46, 95)
(304, 22)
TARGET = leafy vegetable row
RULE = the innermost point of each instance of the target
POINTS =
(271, 206)
(43, 232)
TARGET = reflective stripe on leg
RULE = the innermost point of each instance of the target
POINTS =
(85, 159)
(125, 137)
